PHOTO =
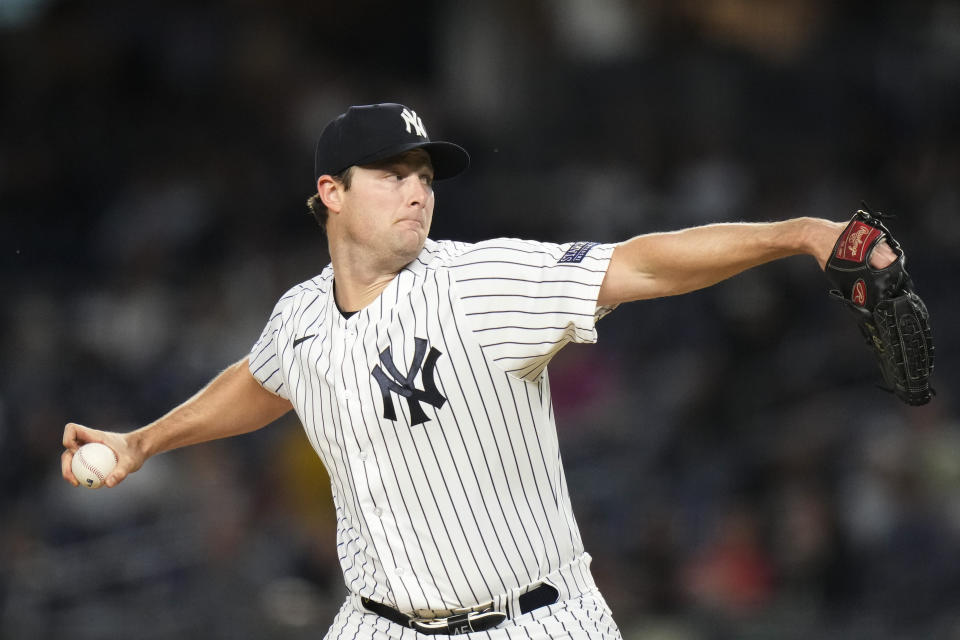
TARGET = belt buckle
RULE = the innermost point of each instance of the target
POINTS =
(465, 622)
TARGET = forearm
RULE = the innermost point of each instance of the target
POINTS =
(233, 403)
(701, 256)
(664, 264)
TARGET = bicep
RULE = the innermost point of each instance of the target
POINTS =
(263, 405)
(626, 280)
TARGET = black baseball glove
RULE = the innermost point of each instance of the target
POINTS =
(891, 316)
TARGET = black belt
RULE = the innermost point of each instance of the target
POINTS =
(479, 619)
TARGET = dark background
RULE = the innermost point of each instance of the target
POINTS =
(735, 472)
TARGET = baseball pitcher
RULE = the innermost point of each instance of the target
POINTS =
(419, 370)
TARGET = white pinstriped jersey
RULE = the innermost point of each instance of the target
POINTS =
(431, 410)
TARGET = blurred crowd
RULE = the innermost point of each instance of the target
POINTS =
(734, 470)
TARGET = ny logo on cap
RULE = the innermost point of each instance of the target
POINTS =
(393, 381)
(413, 120)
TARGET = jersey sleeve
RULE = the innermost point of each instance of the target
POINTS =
(524, 300)
(265, 356)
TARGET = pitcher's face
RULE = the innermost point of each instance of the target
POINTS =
(389, 205)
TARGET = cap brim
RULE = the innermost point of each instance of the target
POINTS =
(448, 159)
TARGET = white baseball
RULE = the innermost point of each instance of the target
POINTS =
(92, 463)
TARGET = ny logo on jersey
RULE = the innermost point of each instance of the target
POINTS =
(395, 382)
(413, 120)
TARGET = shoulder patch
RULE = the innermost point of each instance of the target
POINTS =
(577, 252)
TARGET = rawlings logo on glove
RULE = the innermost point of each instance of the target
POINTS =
(890, 314)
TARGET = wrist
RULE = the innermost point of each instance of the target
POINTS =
(818, 236)
(142, 442)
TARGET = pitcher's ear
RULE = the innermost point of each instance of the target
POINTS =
(330, 191)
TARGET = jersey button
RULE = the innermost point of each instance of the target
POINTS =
(378, 512)
(363, 454)
(348, 395)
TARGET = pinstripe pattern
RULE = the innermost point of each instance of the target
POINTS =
(472, 502)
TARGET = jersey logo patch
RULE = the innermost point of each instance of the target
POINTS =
(395, 382)
(304, 338)
(577, 252)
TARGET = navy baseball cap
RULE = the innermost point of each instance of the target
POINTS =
(369, 133)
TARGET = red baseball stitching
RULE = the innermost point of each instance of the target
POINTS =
(90, 467)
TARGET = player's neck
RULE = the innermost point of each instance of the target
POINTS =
(356, 287)
(362, 272)
(351, 296)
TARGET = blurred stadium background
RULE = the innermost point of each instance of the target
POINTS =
(734, 470)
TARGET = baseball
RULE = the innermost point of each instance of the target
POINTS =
(92, 463)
